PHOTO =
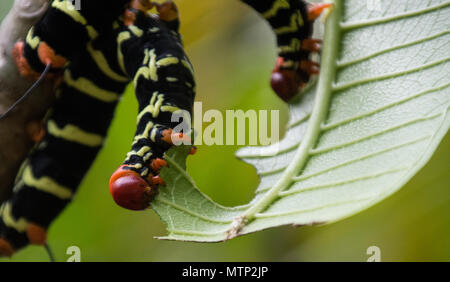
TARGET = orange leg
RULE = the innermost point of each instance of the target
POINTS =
(139, 5)
(312, 45)
(36, 234)
(36, 130)
(21, 63)
(48, 56)
(315, 10)
(309, 67)
(142, 5)
(168, 11)
(6, 250)
(193, 150)
(157, 164)
(157, 180)
(175, 138)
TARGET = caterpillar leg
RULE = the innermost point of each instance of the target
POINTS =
(291, 21)
(315, 10)
(36, 130)
(21, 62)
(167, 12)
(164, 85)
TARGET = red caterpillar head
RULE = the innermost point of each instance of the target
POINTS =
(285, 82)
(129, 190)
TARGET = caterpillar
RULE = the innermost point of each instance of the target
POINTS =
(92, 55)
(292, 22)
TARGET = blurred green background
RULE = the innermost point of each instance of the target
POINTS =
(233, 53)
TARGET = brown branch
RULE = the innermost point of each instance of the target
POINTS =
(15, 143)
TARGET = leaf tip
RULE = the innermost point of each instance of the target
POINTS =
(314, 223)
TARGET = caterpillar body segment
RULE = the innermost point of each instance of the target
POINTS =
(164, 84)
(147, 52)
(288, 20)
(76, 128)
(292, 23)
(63, 32)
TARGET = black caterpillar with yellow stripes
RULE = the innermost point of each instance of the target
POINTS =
(92, 54)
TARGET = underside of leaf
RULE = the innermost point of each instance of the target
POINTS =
(371, 120)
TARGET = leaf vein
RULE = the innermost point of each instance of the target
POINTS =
(364, 23)
(386, 130)
(342, 182)
(342, 203)
(345, 64)
(186, 210)
(377, 110)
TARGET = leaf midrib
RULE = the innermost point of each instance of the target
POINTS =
(319, 114)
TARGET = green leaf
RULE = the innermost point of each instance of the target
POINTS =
(374, 117)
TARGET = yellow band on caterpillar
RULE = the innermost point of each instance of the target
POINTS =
(74, 134)
(89, 88)
(277, 5)
(103, 65)
(153, 107)
(46, 184)
(32, 40)
(296, 21)
(20, 225)
(123, 36)
(69, 9)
